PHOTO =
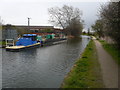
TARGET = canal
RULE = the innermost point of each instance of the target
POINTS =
(43, 67)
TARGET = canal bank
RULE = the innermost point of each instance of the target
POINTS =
(86, 72)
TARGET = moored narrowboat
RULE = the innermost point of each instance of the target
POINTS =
(26, 41)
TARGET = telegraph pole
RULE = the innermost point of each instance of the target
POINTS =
(29, 21)
(29, 24)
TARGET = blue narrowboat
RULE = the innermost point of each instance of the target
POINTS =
(26, 41)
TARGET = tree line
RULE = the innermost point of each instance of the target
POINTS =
(109, 22)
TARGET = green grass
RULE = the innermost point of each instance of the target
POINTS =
(2, 43)
(86, 72)
(112, 50)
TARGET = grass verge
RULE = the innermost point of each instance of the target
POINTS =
(2, 43)
(86, 72)
(112, 50)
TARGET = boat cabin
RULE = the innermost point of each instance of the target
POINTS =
(27, 39)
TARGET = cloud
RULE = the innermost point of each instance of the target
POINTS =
(55, 0)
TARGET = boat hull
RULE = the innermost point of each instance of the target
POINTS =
(19, 48)
(53, 42)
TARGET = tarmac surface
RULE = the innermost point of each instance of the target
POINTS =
(109, 67)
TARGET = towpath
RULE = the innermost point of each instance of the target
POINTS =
(109, 67)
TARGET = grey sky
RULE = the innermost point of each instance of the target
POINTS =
(16, 12)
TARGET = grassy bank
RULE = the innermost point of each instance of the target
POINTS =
(2, 43)
(86, 71)
(112, 50)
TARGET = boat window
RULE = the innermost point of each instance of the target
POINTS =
(34, 38)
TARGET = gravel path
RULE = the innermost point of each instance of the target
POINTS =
(108, 66)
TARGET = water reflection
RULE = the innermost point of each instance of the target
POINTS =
(43, 67)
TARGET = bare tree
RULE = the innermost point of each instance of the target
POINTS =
(111, 20)
(65, 17)
(75, 27)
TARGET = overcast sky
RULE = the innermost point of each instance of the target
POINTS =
(16, 11)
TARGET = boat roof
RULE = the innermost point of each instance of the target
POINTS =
(29, 34)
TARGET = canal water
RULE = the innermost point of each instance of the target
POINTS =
(43, 67)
